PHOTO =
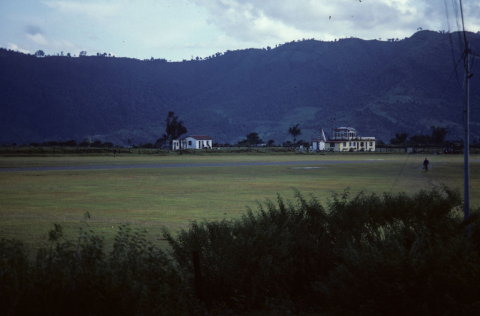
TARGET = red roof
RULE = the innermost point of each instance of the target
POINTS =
(200, 137)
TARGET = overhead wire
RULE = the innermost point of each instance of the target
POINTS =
(457, 7)
(399, 173)
(463, 24)
(462, 57)
(445, 86)
(451, 43)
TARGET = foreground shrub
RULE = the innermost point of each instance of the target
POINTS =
(412, 256)
(271, 254)
(80, 278)
(367, 255)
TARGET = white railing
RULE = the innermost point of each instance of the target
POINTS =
(356, 138)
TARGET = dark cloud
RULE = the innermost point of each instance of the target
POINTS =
(33, 30)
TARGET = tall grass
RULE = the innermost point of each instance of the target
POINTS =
(80, 278)
(366, 255)
(370, 254)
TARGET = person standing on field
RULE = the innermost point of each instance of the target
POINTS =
(425, 164)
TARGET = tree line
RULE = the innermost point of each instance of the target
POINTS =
(437, 137)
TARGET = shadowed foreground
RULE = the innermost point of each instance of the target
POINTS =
(390, 254)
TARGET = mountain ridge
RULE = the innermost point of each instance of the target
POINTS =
(377, 87)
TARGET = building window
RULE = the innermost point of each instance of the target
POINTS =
(189, 143)
(332, 144)
(344, 144)
(371, 144)
(361, 144)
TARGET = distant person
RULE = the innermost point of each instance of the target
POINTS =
(425, 164)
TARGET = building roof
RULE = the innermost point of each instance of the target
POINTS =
(200, 137)
(318, 140)
(357, 139)
(345, 128)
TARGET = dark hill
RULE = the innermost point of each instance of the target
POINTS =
(377, 87)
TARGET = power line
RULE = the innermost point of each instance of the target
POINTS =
(456, 8)
(463, 23)
(398, 175)
(464, 52)
(445, 86)
(448, 24)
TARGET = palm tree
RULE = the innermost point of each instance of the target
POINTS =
(294, 131)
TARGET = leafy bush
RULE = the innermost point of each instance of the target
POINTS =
(67, 278)
(403, 255)
(388, 254)
(272, 254)
(371, 254)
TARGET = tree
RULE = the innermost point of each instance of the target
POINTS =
(420, 140)
(270, 142)
(254, 139)
(39, 53)
(96, 143)
(294, 131)
(438, 134)
(162, 141)
(174, 128)
(399, 139)
(71, 143)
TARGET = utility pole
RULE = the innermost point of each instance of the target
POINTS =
(466, 172)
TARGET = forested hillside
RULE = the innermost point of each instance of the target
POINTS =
(378, 87)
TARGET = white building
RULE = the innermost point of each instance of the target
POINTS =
(319, 144)
(193, 142)
(346, 139)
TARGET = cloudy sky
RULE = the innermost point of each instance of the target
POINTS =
(180, 29)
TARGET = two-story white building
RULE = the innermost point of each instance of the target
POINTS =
(346, 139)
(193, 142)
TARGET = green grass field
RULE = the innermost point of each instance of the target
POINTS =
(31, 201)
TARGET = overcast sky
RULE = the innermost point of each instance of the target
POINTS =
(179, 29)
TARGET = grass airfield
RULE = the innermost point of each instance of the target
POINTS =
(151, 198)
